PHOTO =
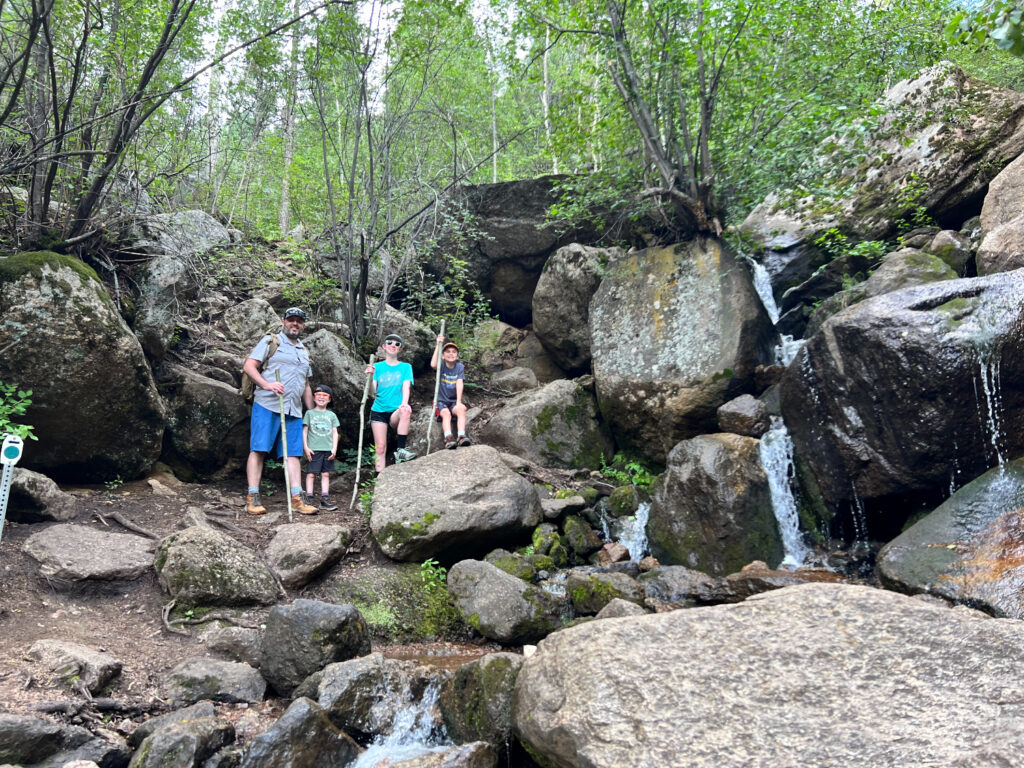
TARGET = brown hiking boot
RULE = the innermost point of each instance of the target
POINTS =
(449, 443)
(464, 441)
(300, 504)
(253, 505)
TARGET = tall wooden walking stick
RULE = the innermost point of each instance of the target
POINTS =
(284, 448)
(362, 426)
(437, 387)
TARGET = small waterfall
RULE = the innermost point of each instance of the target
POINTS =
(633, 532)
(555, 585)
(413, 733)
(860, 523)
(777, 460)
(988, 361)
(787, 347)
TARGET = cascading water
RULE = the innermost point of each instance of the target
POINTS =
(988, 360)
(633, 532)
(787, 347)
(414, 732)
(861, 543)
(777, 460)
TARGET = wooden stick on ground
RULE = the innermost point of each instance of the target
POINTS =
(362, 427)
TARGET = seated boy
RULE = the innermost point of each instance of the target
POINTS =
(320, 444)
(391, 385)
(449, 393)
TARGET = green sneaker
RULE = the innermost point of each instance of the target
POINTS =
(404, 454)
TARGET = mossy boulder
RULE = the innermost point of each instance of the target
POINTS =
(201, 566)
(580, 538)
(95, 406)
(590, 592)
(624, 501)
(303, 736)
(513, 563)
(557, 425)
(476, 702)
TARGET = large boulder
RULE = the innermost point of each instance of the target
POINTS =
(556, 425)
(184, 744)
(196, 679)
(1004, 201)
(208, 422)
(940, 139)
(676, 332)
(561, 303)
(95, 406)
(821, 674)
(93, 670)
(968, 549)
(303, 737)
(712, 508)
(299, 552)
(451, 504)
(181, 233)
(165, 283)
(336, 365)
(476, 702)
(246, 321)
(1002, 249)
(72, 555)
(202, 566)
(306, 636)
(30, 741)
(35, 497)
(875, 401)
(502, 607)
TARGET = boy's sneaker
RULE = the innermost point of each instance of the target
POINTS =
(327, 505)
(450, 443)
(464, 440)
(253, 505)
(300, 504)
(404, 454)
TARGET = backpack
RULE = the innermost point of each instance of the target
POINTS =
(248, 388)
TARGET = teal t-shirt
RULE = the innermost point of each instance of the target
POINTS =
(389, 380)
(321, 429)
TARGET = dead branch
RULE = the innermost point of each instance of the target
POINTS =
(165, 613)
(119, 518)
(214, 616)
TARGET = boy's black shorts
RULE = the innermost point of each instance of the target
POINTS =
(320, 463)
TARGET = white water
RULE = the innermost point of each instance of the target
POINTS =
(990, 384)
(787, 347)
(777, 460)
(860, 523)
(413, 733)
(633, 533)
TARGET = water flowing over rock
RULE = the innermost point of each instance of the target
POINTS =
(676, 332)
(500, 606)
(555, 426)
(208, 422)
(306, 636)
(70, 555)
(712, 508)
(451, 504)
(561, 303)
(969, 549)
(879, 402)
(201, 566)
(929, 157)
(95, 406)
(822, 674)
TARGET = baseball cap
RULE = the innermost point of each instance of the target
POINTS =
(294, 312)
(324, 388)
(450, 344)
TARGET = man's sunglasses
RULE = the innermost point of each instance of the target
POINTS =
(391, 341)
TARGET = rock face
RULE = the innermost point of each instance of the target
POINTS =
(1002, 250)
(335, 365)
(476, 702)
(820, 674)
(744, 415)
(197, 679)
(71, 554)
(246, 321)
(184, 743)
(1004, 201)
(712, 508)
(165, 283)
(502, 607)
(306, 636)
(875, 401)
(33, 742)
(450, 504)
(555, 426)
(929, 159)
(561, 303)
(676, 332)
(201, 566)
(208, 422)
(968, 550)
(94, 403)
(181, 233)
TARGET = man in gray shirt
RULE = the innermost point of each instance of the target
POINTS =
(290, 364)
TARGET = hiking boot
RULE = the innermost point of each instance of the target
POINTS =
(450, 443)
(327, 505)
(464, 440)
(253, 505)
(300, 504)
(404, 454)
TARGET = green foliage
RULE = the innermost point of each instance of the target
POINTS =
(627, 470)
(433, 575)
(836, 244)
(998, 21)
(346, 459)
(14, 402)
(366, 495)
(380, 618)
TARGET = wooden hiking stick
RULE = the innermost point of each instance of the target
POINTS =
(284, 448)
(437, 387)
(362, 426)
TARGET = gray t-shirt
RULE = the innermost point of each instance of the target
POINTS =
(292, 360)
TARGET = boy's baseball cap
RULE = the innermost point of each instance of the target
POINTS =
(294, 312)
(450, 344)
(324, 388)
